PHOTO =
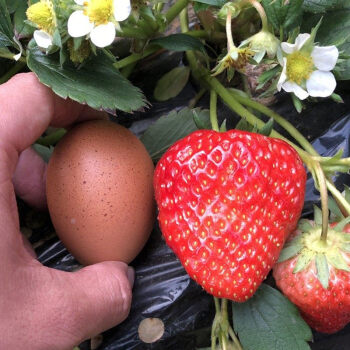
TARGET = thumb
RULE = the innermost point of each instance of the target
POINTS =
(101, 296)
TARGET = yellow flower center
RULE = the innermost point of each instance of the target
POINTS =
(299, 67)
(43, 15)
(98, 11)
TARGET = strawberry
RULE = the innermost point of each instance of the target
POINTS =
(315, 274)
(227, 202)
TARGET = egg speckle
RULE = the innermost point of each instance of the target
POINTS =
(100, 193)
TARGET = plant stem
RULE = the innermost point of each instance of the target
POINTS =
(234, 338)
(279, 119)
(129, 32)
(217, 304)
(126, 71)
(321, 179)
(135, 57)
(262, 14)
(12, 71)
(52, 138)
(213, 112)
(176, 9)
(230, 43)
(196, 98)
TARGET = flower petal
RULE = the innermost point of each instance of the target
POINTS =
(301, 40)
(80, 2)
(283, 76)
(79, 24)
(288, 48)
(103, 35)
(290, 86)
(321, 84)
(43, 39)
(122, 9)
(325, 57)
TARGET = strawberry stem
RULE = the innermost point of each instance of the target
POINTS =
(230, 43)
(262, 14)
(221, 329)
(279, 119)
(321, 179)
(213, 113)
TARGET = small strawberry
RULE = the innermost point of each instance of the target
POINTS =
(227, 203)
(315, 274)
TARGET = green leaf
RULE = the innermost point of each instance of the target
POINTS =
(334, 209)
(223, 127)
(267, 128)
(97, 83)
(171, 83)
(268, 75)
(44, 152)
(199, 123)
(282, 14)
(303, 261)
(170, 128)
(305, 225)
(290, 250)
(322, 269)
(341, 224)
(337, 98)
(345, 247)
(317, 215)
(12, 5)
(269, 321)
(347, 193)
(19, 18)
(179, 42)
(320, 6)
(335, 258)
(298, 105)
(6, 30)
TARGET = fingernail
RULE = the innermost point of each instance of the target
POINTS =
(131, 275)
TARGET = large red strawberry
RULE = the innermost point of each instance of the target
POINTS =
(227, 202)
(315, 275)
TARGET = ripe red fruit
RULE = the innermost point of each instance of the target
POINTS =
(227, 202)
(317, 276)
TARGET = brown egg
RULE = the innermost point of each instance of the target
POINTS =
(100, 192)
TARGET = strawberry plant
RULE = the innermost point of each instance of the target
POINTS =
(229, 198)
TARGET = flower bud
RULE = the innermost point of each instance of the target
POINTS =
(80, 54)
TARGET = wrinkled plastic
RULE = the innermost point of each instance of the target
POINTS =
(162, 288)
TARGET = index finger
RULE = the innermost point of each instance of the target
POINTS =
(27, 108)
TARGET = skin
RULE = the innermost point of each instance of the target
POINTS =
(40, 307)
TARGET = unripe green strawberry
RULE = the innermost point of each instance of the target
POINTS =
(315, 275)
(227, 202)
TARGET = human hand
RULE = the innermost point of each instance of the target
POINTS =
(43, 308)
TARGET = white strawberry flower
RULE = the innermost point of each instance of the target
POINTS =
(308, 73)
(99, 19)
(42, 15)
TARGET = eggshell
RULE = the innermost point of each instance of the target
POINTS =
(100, 192)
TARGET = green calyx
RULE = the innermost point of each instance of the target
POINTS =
(309, 247)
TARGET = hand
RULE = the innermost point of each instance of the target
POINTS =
(43, 308)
